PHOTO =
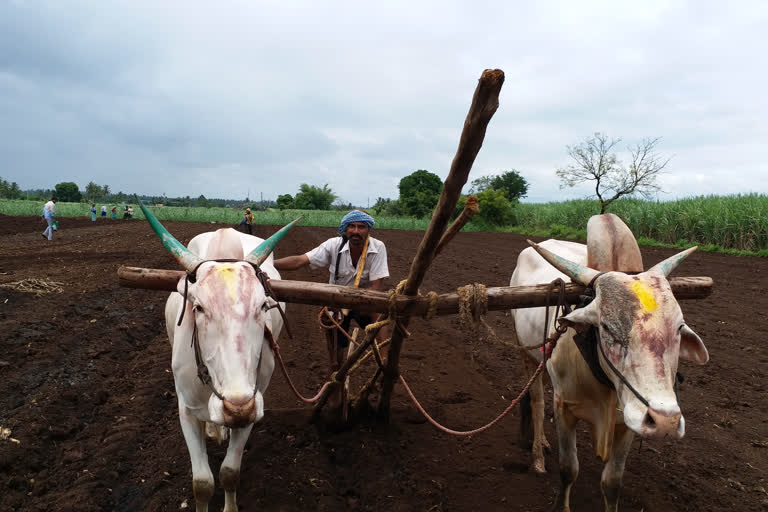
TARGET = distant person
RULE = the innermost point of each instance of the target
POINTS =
(93, 212)
(104, 211)
(49, 212)
(114, 213)
(125, 212)
(248, 221)
(130, 211)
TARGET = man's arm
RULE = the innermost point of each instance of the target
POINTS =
(378, 285)
(291, 262)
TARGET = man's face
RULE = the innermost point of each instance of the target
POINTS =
(357, 232)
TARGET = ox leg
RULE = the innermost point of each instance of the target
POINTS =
(202, 478)
(565, 422)
(229, 474)
(610, 482)
(537, 411)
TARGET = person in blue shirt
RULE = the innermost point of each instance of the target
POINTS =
(49, 212)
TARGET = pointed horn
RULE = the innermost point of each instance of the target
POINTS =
(187, 258)
(668, 265)
(579, 273)
(265, 248)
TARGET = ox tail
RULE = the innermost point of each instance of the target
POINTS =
(526, 421)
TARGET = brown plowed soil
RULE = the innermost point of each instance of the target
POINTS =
(86, 389)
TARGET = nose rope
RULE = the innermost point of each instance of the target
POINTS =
(621, 377)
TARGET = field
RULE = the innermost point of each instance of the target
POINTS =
(735, 223)
(86, 389)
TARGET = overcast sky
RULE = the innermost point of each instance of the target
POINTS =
(223, 98)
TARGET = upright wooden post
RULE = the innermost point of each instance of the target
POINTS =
(484, 104)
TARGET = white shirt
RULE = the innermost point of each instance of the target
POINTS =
(375, 262)
(49, 210)
(103, 208)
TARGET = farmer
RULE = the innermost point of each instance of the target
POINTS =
(93, 212)
(114, 213)
(49, 212)
(104, 211)
(342, 256)
(248, 221)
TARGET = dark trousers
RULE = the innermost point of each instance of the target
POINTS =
(362, 320)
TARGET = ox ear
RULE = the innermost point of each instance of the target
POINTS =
(691, 346)
(265, 248)
(583, 318)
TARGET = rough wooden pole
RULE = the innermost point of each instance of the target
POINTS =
(369, 301)
(484, 104)
(469, 211)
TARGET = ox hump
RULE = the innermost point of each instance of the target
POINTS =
(611, 245)
(225, 244)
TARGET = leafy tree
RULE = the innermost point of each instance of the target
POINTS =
(68, 192)
(494, 207)
(311, 197)
(388, 207)
(285, 201)
(419, 193)
(511, 182)
(9, 190)
(93, 192)
(594, 161)
(202, 202)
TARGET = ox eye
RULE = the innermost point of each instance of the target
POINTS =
(198, 308)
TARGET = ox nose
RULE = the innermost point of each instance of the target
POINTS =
(659, 424)
(239, 412)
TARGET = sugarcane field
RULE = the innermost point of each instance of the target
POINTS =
(90, 420)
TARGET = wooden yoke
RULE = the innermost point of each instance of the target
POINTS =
(484, 104)
(369, 301)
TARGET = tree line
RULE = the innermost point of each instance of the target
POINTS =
(593, 160)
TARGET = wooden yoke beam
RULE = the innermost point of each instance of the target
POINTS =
(369, 301)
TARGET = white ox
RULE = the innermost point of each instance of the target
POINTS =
(642, 332)
(228, 311)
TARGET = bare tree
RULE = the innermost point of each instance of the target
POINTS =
(594, 161)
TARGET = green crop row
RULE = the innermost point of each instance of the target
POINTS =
(730, 222)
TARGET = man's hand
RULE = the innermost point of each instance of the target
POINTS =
(291, 262)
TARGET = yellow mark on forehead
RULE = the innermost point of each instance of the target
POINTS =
(228, 276)
(645, 295)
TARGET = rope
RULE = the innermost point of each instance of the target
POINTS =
(473, 304)
(484, 427)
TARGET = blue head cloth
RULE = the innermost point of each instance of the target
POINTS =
(355, 216)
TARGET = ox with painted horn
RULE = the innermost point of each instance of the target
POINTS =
(221, 322)
(616, 365)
